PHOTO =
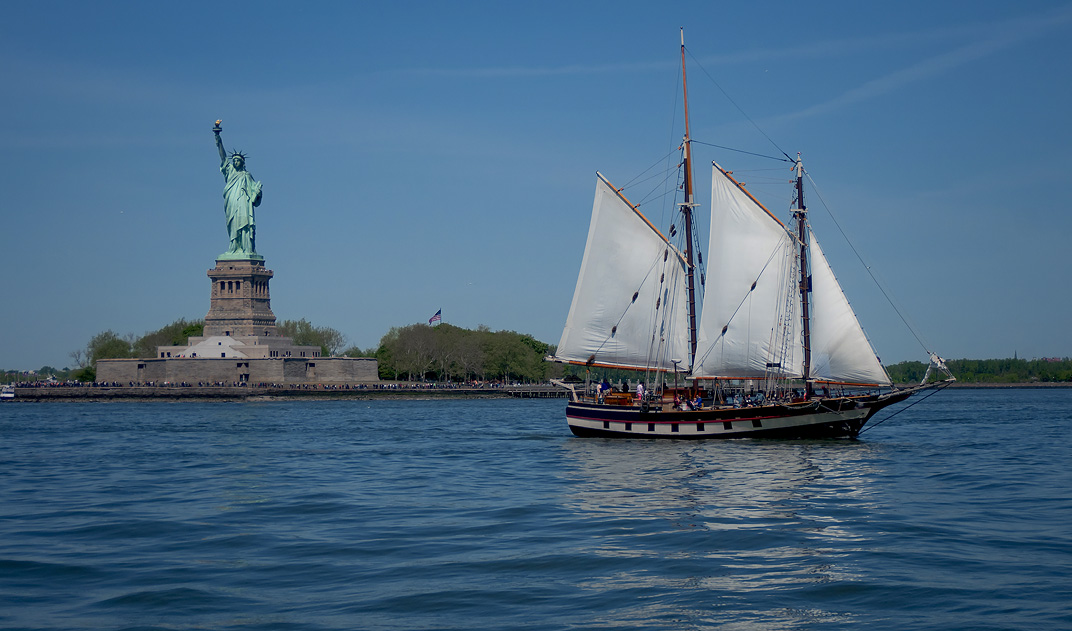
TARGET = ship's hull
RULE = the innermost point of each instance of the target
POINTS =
(821, 418)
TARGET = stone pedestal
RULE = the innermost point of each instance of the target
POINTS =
(240, 300)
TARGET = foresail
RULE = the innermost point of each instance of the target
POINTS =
(840, 350)
(628, 308)
(750, 323)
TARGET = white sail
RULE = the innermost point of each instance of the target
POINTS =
(840, 350)
(625, 256)
(750, 324)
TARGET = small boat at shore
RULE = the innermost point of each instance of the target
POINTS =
(7, 393)
(774, 349)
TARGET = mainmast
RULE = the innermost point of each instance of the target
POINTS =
(686, 211)
(800, 213)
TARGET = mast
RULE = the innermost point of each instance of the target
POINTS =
(801, 215)
(686, 211)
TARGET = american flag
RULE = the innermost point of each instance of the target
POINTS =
(437, 317)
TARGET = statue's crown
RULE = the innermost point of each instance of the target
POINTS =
(238, 154)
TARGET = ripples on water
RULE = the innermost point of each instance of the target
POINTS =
(488, 515)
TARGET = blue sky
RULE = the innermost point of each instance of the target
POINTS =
(418, 156)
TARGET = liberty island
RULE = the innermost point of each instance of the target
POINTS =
(240, 344)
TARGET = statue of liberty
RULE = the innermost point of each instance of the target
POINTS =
(241, 194)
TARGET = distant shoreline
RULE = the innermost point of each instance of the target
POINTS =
(1030, 385)
(403, 392)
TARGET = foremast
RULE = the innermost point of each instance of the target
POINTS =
(686, 212)
(800, 214)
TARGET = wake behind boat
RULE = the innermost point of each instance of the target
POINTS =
(775, 350)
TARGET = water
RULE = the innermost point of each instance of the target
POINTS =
(956, 514)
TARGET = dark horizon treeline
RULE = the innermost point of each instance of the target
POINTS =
(1010, 370)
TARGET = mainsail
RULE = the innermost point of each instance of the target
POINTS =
(628, 309)
(750, 322)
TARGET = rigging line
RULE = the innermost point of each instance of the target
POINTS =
(700, 264)
(639, 178)
(772, 170)
(751, 153)
(730, 99)
(678, 185)
(678, 146)
(665, 320)
(648, 200)
(867, 267)
(641, 174)
(652, 194)
(936, 390)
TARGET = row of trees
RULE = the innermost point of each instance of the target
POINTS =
(446, 352)
(420, 352)
(991, 370)
(417, 352)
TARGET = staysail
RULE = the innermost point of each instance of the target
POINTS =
(841, 351)
(750, 323)
(628, 308)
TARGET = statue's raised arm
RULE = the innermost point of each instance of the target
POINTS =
(219, 142)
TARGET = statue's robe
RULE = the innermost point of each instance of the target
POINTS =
(241, 195)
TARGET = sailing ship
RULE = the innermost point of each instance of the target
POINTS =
(774, 351)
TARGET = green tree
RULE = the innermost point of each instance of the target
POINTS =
(510, 358)
(108, 345)
(355, 351)
(304, 333)
(450, 353)
(415, 350)
(469, 358)
(175, 334)
(195, 328)
(385, 354)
